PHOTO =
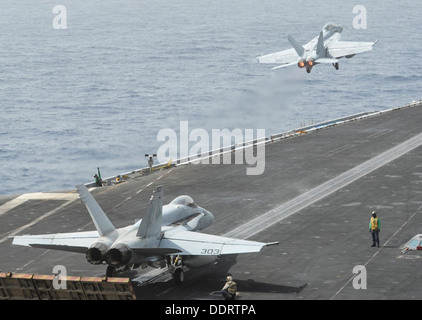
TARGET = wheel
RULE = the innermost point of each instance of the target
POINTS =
(179, 275)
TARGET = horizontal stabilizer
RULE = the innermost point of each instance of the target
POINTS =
(284, 65)
(326, 60)
(72, 242)
(148, 252)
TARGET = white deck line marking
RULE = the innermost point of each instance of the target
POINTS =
(20, 229)
(35, 196)
(289, 208)
(149, 184)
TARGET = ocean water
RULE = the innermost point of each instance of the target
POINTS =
(97, 93)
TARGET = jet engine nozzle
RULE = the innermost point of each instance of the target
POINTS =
(310, 62)
(301, 63)
(96, 254)
(119, 256)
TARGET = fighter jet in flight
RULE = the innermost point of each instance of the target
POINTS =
(165, 236)
(326, 48)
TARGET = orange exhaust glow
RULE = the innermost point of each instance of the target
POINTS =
(310, 63)
(301, 64)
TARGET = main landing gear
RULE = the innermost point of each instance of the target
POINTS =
(175, 267)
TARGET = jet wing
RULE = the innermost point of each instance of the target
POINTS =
(282, 57)
(196, 243)
(340, 49)
(284, 65)
(72, 242)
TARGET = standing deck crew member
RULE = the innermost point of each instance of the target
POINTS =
(374, 229)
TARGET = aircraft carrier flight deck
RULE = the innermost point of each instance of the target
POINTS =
(315, 198)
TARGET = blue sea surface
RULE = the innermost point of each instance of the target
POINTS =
(97, 93)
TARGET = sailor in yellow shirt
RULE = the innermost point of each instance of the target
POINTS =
(374, 229)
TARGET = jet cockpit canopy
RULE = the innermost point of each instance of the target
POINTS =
(184, 201)
(332, 27)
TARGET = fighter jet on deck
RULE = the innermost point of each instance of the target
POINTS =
(326, 48)
(165, 236)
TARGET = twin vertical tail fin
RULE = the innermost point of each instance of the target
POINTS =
(101, 222)
(320, 50)
(150, 226)
(298, 48)
(322, 53)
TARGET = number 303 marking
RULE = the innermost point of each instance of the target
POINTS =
(210, 251)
